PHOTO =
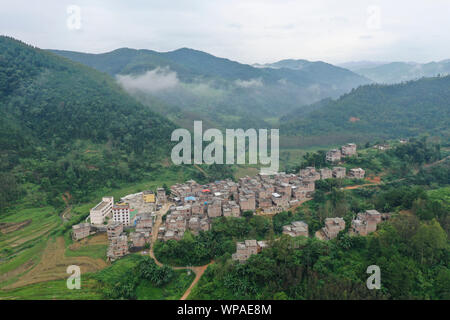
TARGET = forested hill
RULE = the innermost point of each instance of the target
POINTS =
(378, 111)
(396, 72)
(221, 92)
(190, 63)
(67, 127)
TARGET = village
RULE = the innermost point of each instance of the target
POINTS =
(130, 222)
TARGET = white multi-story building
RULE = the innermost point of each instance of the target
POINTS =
(102, 210)
(121, 213)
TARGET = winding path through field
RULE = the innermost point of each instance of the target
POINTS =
(197, 270)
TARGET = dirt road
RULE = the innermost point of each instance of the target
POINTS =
(198, 274)
(197, 270)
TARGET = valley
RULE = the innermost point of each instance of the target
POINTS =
(76, 127)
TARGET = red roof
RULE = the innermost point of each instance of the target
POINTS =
(206, 190)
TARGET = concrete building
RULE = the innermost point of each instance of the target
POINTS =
(382, 147)
(215, 209)
(231, 209)
(198, 208)
(138, 239)
(296, 229)
(173, 235)
(264, 203)
(118, 247)
(102, 210)
(333, 155)
(148, 196)
(309, 174)
(284, 188)
(280, 201)
(299, 194)
(144, 222)
(161, 195)
(326, 173)
(339, 172)
(348, 150)
(357, 173)
(121, 213)
(332, 227)
(247, 203)
(81, 231)
(372, 217)
(114, 229)
(245, 249)
(365, 223)
(197, 224)
(358, 227)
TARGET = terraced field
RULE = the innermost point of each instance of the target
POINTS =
(35, 246)
(54, 290)
(54, 263)
(23, 240)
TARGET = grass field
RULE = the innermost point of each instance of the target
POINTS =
(173, 291)
(54, 290)
(34, 249)
(21, 249)
(145, 290)
(53, 265)
(243, 171)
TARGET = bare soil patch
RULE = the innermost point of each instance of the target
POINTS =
(53, 265)
(100, 238)
(8, 227)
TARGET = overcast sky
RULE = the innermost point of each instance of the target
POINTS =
(254, 31)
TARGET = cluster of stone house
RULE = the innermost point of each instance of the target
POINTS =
(296, 229)
(134, 211)
(382, 147)
(120, 244)
(247, 248)
(335, 155)
(81, 231)
(331, 229)
(357, 173)
(127, 208)
(180, 219)
(197, 204)
(336, 172)
(365, 223)
(143, 224)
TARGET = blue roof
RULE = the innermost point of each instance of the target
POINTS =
(189, 199)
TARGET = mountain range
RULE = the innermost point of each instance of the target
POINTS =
(375, 112)
(195, 85)
(65, 126)
(396, 72)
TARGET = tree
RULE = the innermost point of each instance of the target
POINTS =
(429, 240)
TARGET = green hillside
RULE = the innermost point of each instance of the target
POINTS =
(396, 72)
(377, 111)
(66, 127)
(221, 92)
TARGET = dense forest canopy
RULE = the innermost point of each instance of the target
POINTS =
(396, 72)
(221, 92)
(66, 127)
(379, 111)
